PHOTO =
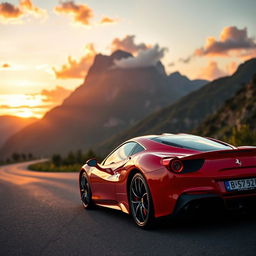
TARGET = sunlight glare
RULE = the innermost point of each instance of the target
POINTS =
(22, 105)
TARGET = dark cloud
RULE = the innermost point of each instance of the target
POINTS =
(145, 58)
(81, 13)
(77, 68)
(128, 44)
(185, 60)
(231, 38)
(9, 11)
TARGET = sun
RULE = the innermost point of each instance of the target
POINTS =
(25, 113)
(18, 100)
(23, 105)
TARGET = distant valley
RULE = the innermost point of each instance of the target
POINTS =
(9, 125)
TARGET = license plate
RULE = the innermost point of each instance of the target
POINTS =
(240, 185)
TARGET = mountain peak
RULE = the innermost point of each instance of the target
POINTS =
(103, 62)
(177, 74)
(119, 54)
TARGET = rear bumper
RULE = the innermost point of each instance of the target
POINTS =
(190, 203)
(171, 192)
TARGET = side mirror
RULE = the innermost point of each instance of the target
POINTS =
(92, 162)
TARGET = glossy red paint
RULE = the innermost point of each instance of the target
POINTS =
(109, 183)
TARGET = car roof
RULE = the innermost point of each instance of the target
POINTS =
(146, 140)
(161, 135)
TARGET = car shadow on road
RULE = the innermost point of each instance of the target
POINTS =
(211, 221)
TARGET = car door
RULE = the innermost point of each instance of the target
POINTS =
(105, 177)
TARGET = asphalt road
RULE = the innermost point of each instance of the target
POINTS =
(41, 214)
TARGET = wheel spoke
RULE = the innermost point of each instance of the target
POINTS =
(136, 211)
(140, 186)
(141, 213)
(84, 189)
(145, 194)
(84, 198)
(134, 193)
(139, 200)
(136, 186)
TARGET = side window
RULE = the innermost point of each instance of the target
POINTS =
(121, 153)
(126, 149)
(138, 148)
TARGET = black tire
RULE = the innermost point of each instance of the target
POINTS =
(141, 203)
(85, 191)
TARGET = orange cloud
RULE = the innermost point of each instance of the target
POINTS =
(231, 39)
(128, 44)
(6, 65)
(57, 95)
(246, 55)
(81, 13)
(107, 20)
(232, 67)
(211, 71)
(27, 5)
(77, 68)
(9, 11)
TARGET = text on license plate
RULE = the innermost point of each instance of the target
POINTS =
(239, 185)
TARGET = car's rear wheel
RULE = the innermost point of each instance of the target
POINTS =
(85, 191)
(141, 202)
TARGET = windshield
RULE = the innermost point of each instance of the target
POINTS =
(191, 142)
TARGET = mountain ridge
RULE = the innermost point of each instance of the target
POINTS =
(190, 110)
(106, 103)
(237, 113)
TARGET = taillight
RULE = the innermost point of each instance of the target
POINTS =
(183, 166)
(176, 166)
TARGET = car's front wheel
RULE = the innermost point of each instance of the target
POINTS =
(85, 191)
(141, 203)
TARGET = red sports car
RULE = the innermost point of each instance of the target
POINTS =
(159, 175)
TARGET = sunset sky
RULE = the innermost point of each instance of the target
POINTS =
(47, 46)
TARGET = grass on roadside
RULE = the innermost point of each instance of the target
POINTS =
(72, 162)
(48, 166)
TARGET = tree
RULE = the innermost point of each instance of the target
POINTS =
(57, 160)
(242, 136)
(70, 159)
(30, 156)
(79, 156)
(24, 157)
(89, 154)
(16, 157)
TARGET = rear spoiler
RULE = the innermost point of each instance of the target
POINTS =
(231, 153)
